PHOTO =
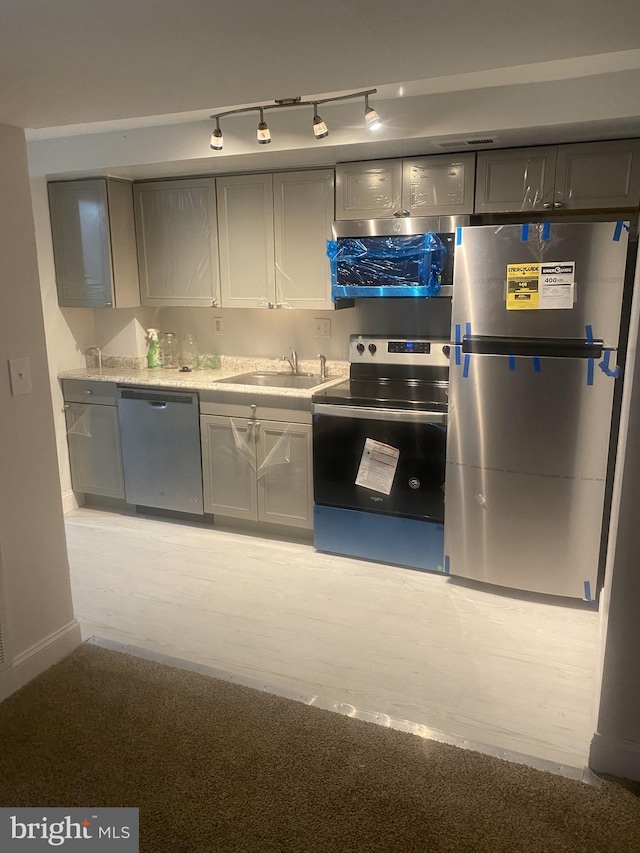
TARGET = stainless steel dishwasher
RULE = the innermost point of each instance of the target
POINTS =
(160, 437)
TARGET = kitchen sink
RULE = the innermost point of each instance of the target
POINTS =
(273, 379)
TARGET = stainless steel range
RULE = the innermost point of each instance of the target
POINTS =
(379, 443)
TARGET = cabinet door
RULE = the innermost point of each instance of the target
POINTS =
(598, 175)
(369, 190)
(245, 228)
(438, 184)
(229, 466)
(177, 242)
(285, 473)
(93, 437)
(81, 248)
(519, 179)
(303, 214)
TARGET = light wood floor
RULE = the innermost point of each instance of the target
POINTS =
(464, 660)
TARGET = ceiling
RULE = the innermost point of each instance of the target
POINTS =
(76, 62)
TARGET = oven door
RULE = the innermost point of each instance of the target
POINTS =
(340, 434)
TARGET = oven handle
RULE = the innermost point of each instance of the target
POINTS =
(370, 414)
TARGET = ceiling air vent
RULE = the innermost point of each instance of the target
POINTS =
(463, 143)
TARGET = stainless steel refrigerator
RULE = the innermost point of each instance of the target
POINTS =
(535, 326)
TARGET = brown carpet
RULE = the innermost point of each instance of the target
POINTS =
(215, 766)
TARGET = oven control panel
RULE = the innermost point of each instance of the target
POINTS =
(398, 350)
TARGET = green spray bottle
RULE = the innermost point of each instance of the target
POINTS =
(153, 351)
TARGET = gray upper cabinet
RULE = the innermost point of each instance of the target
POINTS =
(273, 232)
(177, 238)
(245, 228)
(438, 184)
(416, 186)
(598, 175)
(585, 176)
(303, 214)
(94, 247)
(369, 190)
(514, 180)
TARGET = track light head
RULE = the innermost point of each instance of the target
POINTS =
(371, 117)
(320, 129)
(264, 134)
(217, 140)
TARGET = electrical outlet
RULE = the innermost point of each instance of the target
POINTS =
(217, 326)
(321, 328)
(20, 374)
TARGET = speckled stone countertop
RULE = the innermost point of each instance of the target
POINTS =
(203, 380)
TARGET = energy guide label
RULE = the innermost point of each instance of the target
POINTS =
(540, 286)
(377, 466)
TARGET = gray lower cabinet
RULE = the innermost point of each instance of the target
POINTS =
(94, 246)
(585, 176)
(93, 437)
(259, 470)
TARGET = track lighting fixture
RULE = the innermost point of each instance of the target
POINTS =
(264, 134)
(217, 140)
(371, 117)
(320, 129)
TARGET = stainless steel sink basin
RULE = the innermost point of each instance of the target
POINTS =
(272, 379)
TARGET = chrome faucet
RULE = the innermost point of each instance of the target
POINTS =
(292, 359)
(323, 366)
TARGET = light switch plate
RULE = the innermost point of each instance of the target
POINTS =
(20, 375)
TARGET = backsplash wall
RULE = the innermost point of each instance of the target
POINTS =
(268, 333)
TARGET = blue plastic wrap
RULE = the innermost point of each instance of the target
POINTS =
(401, 265)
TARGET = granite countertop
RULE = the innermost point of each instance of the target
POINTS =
(204, 380)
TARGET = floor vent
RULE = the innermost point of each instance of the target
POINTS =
(467, 143)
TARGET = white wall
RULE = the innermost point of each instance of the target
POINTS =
(32, 542)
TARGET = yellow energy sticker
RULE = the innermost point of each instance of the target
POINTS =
(523, 287)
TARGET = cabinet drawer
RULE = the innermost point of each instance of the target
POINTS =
(242, 409)
(88, 391)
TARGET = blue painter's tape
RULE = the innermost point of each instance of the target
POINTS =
(465, 369)
(525, 232)
(512, 362)
(546, 231)
(536, 363)
(587, 591)
(589, 333)
(447, 564)
(467, 329)
(605, 368)
(617, 233)
(458, 334)
(458, 351)
(458, 236)
(590, 369)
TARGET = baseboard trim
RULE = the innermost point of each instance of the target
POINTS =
(615, 756)
(40, 657)
(69, 501)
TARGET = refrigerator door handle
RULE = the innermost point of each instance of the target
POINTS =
(542, 347)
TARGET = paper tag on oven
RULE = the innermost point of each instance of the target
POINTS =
(377, 466)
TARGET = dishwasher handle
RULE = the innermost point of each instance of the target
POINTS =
(155, 404)
(154, 396)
